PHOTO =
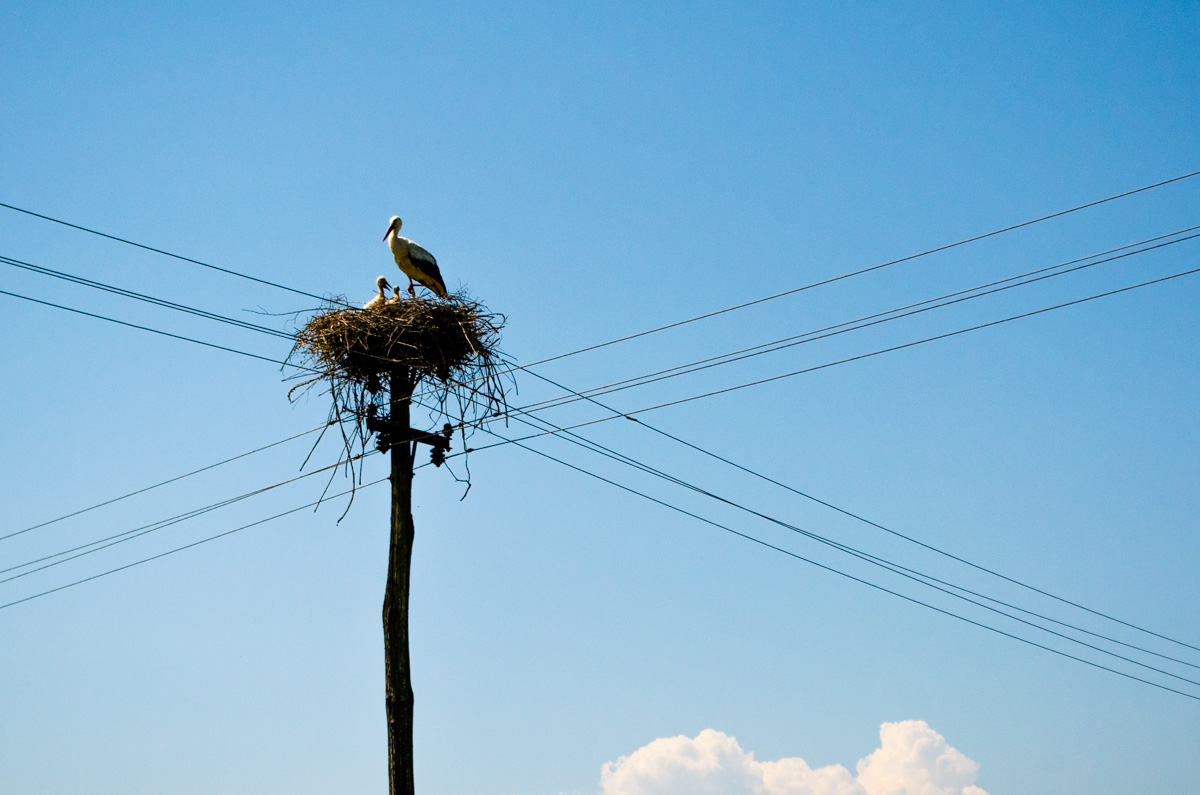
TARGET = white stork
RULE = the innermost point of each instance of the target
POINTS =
(380, 299)
(416, 263)
(395, 299)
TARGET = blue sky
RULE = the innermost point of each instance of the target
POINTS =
(592, 172)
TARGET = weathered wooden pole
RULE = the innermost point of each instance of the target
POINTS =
(399, 693)
(446, 345)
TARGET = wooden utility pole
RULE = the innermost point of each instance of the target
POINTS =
(450, 346)
(399, 692)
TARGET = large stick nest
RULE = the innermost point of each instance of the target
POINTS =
(445, 352)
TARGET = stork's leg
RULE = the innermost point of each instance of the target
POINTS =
(411, 291)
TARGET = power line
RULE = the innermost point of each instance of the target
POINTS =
(903, 346)
(142, 297)
(652, 499)
(874, 560)
(929, 547)
(686, 321)
(961, 331)
(903, 571)
(516, 441)
(164, 253)
(182, 548)
(165, 304)
(861, 271)
(162, 483)
(679, 370)
(138, 532)
(845, 574)
(942, 552)
(950, 299)
(585, 396)
(146, 328)
(629, 415)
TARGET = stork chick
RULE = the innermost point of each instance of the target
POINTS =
(380, 299)
(416, 263)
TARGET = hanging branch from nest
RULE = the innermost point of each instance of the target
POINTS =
(448, 347)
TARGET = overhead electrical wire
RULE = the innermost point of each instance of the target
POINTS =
(182, 548)
(1105, 651)
(652, 499)
(867, 321)
(740, 306)
(898, 313)
(128, 242)
(790, 341)
(138, 532)
(244, 324)
(830, 280)
(145, 328)
(847, 575)
(903, 571)
(585, 396)
(890, 349)
(162, 483)
(769, 298)
(589, 394)
(862, 271)
(640, 379)
(869, 558)
(630, 415)
(1113, 292)
(617, 413)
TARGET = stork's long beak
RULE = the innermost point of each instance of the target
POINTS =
(389, 230)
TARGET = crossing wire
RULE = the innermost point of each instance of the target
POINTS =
(867, 321)
(886, 350)
(163, 483)
(597, 346)
(894, 348)
(145, 328)
(874, 353)
(629, 414)
(617, 413)
(587, 394)
(153, 300)
(847, 575)
(663, 503)
(244, 324)
(903, 571)
(128, 242)
(757, 350)
(861, 271)
(876, 318)
(872, 559)
(917, 601)
(138, 532)
(315, 503)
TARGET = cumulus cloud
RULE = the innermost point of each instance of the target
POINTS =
(912, 759)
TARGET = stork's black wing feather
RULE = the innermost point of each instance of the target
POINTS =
(425, 261)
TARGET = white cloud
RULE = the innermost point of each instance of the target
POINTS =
(912, 759)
